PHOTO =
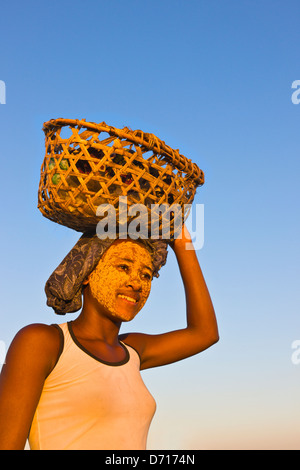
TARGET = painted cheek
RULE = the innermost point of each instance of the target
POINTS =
(104, 282)
(146, 288)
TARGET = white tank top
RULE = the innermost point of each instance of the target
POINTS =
(89, 404)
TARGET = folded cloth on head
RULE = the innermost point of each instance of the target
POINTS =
(64, 286)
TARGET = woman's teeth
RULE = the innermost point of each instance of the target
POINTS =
(126, 297)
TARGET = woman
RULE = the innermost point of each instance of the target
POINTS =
(78, 386)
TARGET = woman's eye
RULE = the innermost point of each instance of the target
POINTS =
(147, 276)
(124, 267)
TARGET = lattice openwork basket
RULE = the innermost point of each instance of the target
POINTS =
(88, 164)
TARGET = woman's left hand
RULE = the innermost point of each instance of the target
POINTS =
(183, 241)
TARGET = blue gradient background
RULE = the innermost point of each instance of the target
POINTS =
(213, 79)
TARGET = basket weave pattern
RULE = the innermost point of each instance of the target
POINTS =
(88, 164)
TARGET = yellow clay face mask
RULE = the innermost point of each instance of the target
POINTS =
(121, 282)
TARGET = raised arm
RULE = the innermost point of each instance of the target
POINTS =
(201, 330)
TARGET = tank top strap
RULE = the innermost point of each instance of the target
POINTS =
(62, 340)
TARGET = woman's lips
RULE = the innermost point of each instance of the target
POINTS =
(128, 298)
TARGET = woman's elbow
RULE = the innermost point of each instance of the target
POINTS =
(212, 338)
(215, 338)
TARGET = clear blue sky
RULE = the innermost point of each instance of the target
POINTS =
(213, 79)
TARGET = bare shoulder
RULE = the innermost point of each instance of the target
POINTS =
(37, 342)
(136, 340)
(38, 333)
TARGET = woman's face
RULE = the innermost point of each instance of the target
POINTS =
(121, 282)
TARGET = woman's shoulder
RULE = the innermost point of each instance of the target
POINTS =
(39, 332)
(38, 340)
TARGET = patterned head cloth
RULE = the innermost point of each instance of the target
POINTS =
(64, 286)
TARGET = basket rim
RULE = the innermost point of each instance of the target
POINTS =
(147, 140)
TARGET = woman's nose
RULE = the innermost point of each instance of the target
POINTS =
(135, 283)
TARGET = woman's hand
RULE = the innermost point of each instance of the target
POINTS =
(183, 241)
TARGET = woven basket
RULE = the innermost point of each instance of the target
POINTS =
(88, 164)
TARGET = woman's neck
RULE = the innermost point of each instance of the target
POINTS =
(92, 323)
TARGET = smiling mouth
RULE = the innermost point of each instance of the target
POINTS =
(128, 298)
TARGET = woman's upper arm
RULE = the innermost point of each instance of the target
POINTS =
(30, 358)
(165, 348)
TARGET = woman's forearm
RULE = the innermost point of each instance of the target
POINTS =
(200, 310)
